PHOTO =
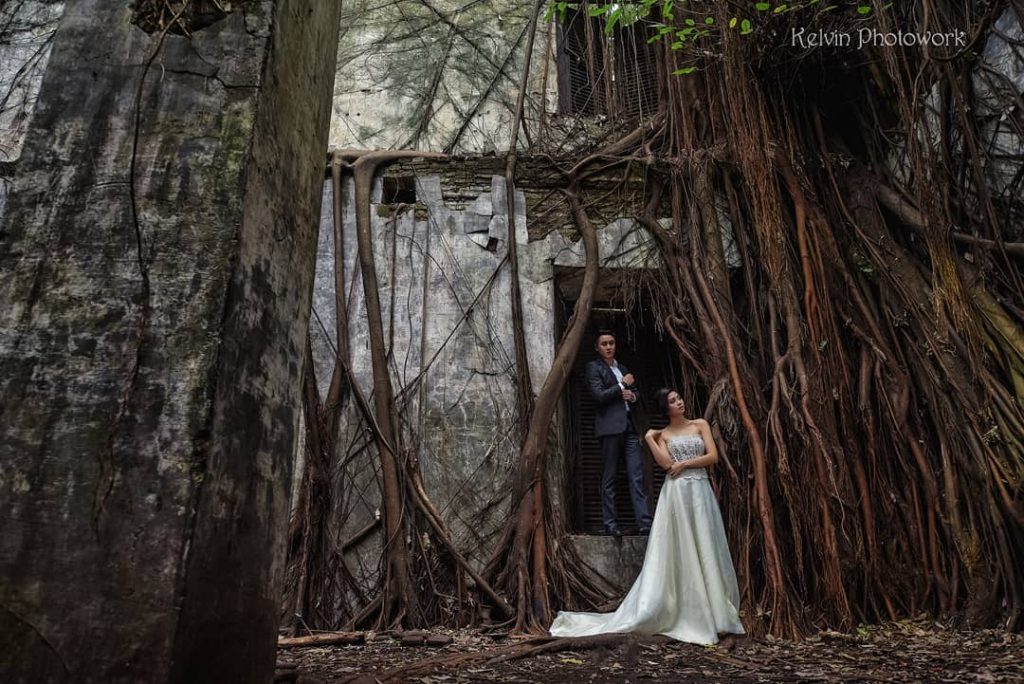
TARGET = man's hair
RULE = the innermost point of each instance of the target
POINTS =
(601, 333)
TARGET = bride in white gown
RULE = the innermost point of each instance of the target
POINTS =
(687, 586)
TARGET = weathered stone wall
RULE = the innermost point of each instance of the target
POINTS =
(157, 281)
(997, 79)
(445, 294)
(27, 28)
(437, 74)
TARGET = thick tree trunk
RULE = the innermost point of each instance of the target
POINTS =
(157, 272)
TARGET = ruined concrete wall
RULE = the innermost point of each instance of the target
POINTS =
(27, 28)
(437, 74)
(445, 293)
(157, 281)
(999, 79)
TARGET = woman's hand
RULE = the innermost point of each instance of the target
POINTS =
(677, 469)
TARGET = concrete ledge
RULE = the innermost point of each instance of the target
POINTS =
(617, 559)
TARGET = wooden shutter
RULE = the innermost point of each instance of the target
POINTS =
(635, 73)
(582, 59)
(599, 74)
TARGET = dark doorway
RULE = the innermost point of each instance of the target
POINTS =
(641, 348)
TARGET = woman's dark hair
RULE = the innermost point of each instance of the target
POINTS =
(661, 398)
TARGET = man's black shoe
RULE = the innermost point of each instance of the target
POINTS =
(613, 531)
(644, 530)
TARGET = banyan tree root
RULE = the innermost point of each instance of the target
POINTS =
(857, 343)
(408, 512)
(527, 561)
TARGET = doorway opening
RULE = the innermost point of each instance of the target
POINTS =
(641, 347)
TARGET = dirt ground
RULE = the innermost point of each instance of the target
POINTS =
(908, 651)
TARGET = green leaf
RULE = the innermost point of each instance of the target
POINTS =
(709, 20)
(684, 70)
(598, 10)
(691, 22)
(732, 22)
(677, 45)
(863, 9)
(762, 6)
(780, 8)
(746, 27)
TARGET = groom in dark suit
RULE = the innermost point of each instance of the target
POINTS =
(614, 390)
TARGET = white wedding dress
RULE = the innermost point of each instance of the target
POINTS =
(687, 586)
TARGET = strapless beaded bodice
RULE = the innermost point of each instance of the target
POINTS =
(685, 448)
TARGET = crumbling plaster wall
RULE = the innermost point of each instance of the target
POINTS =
(437, 74)
(446, 306)
(27, 28)
(997, 79)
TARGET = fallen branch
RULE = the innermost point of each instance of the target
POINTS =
(323, 639)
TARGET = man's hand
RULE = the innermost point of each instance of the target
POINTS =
(628, 380)
(628, 395)
(653, 435)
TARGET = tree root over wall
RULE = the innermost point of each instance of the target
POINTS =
(862, 367)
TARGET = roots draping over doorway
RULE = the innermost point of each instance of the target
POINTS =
(863, 366)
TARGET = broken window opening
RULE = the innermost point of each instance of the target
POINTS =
(398, 190)
(602, 74)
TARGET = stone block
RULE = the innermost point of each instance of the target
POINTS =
(616, 559)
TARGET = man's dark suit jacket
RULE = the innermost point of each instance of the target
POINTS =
(611, 417)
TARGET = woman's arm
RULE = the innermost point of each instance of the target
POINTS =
(710, 456)
(659, 449)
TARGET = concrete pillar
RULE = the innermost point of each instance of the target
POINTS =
(155, 274)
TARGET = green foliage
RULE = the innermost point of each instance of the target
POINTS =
(560, 10)
(659, 18)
